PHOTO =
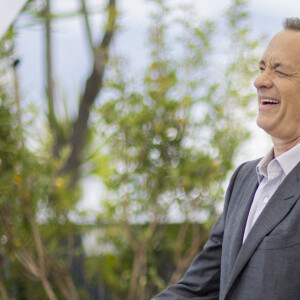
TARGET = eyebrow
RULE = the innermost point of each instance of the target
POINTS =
(273, 66)
(276, 65)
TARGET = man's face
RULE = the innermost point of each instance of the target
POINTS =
(278, 87)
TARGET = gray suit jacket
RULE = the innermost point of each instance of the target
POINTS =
(267, 265)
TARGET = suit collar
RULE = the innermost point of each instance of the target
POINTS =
(278, 207)
(241, 200)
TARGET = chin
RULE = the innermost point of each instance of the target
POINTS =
(264, 126)
(260, 123)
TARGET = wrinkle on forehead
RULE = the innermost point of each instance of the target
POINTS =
(274, 63)
(283, 50)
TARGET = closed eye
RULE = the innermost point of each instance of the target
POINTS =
(281, 73)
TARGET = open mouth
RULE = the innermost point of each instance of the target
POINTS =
(269, 101)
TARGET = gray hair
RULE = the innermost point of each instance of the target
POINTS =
(292, 24)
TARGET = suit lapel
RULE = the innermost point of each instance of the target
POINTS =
(278, 207)
(238, 217)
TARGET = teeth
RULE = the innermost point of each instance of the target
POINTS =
(269, 101)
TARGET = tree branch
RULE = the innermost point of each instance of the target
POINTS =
(3, 292)
(182, 262)
(92, 88)
(41, 258)
(87, 26)
(26, 261)
(49, 77)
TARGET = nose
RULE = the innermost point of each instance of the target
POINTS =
(263, 80)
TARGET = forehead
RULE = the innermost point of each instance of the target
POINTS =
(284, 47)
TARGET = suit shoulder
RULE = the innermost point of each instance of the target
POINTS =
(246, 171)
(249, 165)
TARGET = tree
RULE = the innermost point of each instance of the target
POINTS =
(166, 146)
(39, 190)
(170, 145)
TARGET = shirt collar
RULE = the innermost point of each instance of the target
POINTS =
(261, 168)
(287, 161)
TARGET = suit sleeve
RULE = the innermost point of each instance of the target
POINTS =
(202, 279)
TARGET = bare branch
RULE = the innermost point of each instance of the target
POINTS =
(49, 77)
(41, 258)
(3, 292)
(62, 286)
(26, 260)
(180, 240)
(70, 249)
(183, 261)
(135, 274)
(92, 88)
(72, 288)
(17, 96)
(87, 26)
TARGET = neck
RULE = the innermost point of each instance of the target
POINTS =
(281, 146)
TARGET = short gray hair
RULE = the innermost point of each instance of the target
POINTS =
(292, 24)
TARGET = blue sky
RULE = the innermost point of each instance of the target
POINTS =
(266, 19)
(72, 58)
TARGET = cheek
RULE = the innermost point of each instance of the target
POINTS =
(297, 107)
(291, 111)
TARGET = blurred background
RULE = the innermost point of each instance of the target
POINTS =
(121, 123)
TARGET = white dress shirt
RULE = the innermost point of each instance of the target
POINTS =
(271, 172)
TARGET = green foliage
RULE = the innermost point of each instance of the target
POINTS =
(34, 203)
(171, 143)
(112, 267)
(164, 146)
(29, 191)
